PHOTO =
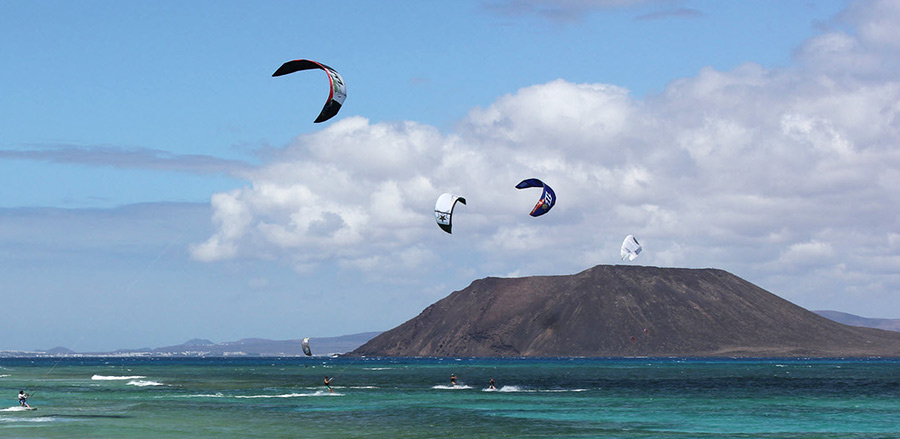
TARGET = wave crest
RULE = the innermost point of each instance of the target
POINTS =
(113, 378)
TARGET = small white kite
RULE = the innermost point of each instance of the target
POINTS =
(630, 248)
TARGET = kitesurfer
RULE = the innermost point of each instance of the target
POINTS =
(452, 379)
(22, 397)
(328, 383)
(491, 384)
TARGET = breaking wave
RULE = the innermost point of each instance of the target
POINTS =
(112, 378)
(144, 383)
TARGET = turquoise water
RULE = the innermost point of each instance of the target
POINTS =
(412, 398)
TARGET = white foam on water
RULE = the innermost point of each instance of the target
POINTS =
(144, 383)
(17, 408)
(562, 390)
(27, 419)
(517, 389)
(291, 395)
(510, 389)
(456, 387)
(113, 378)
(4, 375)
(324, 393)
(285, 395)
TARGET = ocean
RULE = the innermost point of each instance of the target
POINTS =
(413, 398)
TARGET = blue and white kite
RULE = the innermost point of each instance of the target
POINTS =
(548, 198)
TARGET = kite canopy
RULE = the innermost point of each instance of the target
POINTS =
(443, 210)
(630, 248)
(337, 91)
(548, 197)
(305, 345)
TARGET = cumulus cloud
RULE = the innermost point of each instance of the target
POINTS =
(769, 173)
(812, 253)
(864, 45)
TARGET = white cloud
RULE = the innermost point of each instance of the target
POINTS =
(812, 253)
(864, 45)
(753, 170)
(232, 218)
(876, 22)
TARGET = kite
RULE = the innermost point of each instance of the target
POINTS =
(548, 198)
(630, 248)
(443, 210)
(337, 92)
(305, 345)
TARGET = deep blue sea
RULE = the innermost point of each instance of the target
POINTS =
(413, 398)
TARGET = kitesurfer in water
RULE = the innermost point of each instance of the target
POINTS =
(452, 379)
(491, 384)
(328, 383)
(22, 397)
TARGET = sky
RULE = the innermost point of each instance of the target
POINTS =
(157, 184)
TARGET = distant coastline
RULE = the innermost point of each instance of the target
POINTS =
(326, 346)
(200, 348)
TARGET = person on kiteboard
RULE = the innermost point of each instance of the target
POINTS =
(452, 379)
(491, 384)
(22, 397)
(328, 383)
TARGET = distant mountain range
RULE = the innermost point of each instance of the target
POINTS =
(258, 347)
(865, 322)
(626, 311)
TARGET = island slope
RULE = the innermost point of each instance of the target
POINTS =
(613, 310)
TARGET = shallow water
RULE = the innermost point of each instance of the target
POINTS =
(413, 398)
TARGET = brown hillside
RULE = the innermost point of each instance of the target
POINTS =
(624, 311)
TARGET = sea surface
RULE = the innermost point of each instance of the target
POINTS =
(413, 398)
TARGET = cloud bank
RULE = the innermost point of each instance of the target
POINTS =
(128, 158)
(787, 177)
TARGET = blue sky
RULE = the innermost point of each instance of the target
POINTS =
(158, 184)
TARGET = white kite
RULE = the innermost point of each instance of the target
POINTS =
(443, 210)
(305, 345)
(631, 248)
